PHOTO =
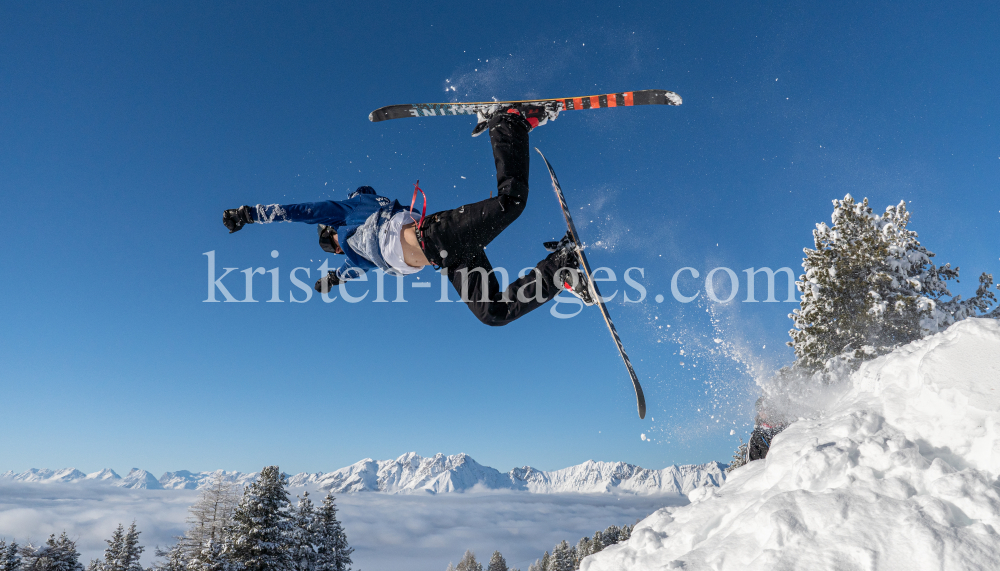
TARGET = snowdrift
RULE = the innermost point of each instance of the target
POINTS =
(899, 472)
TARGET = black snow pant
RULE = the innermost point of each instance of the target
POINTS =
(455, 239)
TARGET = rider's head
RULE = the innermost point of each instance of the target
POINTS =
(329, 240)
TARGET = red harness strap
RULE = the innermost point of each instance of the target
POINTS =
(423, 211)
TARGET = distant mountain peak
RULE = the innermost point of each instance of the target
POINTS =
(138, 479)
(105, 474)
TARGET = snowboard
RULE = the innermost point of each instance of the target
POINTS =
(594, 293)
(554, 106)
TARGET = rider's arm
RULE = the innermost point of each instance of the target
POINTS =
(348, 271)
(329, 212)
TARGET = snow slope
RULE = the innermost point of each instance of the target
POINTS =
(411, 473)
(899, 472)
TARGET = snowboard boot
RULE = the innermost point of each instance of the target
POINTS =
(569, 276)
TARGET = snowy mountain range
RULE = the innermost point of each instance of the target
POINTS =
(411, 473)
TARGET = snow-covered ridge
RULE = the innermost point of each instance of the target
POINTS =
(900, 471)
(411, 473)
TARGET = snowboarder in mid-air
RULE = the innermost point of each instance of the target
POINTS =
(375, 232)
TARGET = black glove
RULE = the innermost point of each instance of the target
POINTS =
(236, 218)
(326, 283)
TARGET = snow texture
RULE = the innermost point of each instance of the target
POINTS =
(898, 472)
(411, 473)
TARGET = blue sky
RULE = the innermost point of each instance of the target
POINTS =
(126, 129)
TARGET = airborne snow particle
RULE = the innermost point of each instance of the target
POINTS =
(642, 436)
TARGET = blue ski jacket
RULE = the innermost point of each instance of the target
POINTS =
(358, 221)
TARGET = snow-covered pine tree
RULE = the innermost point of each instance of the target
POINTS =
(214, 557)
(497, 563)
(123, 551)
(131, 551)
(261, 523)
(304, 536)
(582, 550)
(111, 552)
(333, 553)
(625, 533)
(739, 457)
(9, 558)
(536, 566)
(545, 561)
(451, 567)
(174, 558)
(869, 286)
(65, 557)
(562, 559)
(469, 563)
(612, 535)
(596, 543)
(56, 555)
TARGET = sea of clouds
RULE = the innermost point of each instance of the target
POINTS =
(413, 532)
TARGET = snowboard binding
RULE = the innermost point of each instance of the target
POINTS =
(569, 274)
(536, 114)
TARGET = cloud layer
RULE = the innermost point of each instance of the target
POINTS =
(415, 532)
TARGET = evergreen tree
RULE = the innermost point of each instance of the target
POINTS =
(123, 552)
(111, 552)
(333, 553)
(213, 557)
(561, 559)
(497, 563)
(469, 563)
(451, 567)
(739, 457)
(9, 558)
(582, 550)
(175, 559)
(56, 555)
(544, 563)
(597, 543)
(625, 533)
(536, 566)
(131, 551)
(261, 524)
(870, 286)
(304, 537)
